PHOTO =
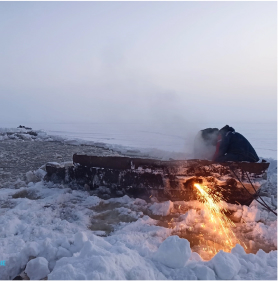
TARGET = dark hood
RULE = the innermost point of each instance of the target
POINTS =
(226, 129)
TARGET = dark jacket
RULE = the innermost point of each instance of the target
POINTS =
(232, 146)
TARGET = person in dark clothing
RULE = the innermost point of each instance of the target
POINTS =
(232, 146)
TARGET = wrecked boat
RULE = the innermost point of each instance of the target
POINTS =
(173, 180)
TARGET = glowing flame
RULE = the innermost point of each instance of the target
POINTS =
(218, 217)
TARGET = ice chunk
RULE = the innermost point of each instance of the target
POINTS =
(203, 272)
(261, 254)
(139, 201)
(11, 268)
(40, 173)
(225, 265)
(42, 135)
(236, 216)
(65, 244)
(31, 249)
(174, 252)
(19, 183)
(162, 209)
(31, 177)
(62, 252)
(49, 251)
(264, 216)
(251, 214)
(124, 200)
(195, 257)
(68, 272)
(92, 201)
(238, 250)
(266, 232)
(79, 239)
(138, 273)
(272, 259)
(90, 249)
(274, 201)
(26, 136)
(37, 268)
(189, 217)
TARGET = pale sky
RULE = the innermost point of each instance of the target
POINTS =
(138, 61)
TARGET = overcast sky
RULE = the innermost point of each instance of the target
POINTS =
(138, 61)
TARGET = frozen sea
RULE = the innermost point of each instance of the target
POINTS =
(173, 137)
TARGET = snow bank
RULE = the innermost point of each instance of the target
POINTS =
(52, 233)
(96, 262)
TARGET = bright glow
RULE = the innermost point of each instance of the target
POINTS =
(217, 217)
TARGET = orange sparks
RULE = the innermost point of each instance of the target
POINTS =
(217, 215)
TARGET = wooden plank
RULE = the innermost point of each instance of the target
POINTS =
(117, 162)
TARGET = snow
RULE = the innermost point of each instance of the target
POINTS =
(225, 265)
(63, 252)
(251, 214)
(203, 272)
(173, 252)
(31, 177)
(55, 227)
(96, 262)
(37, 268)
(79, 239)
(259, 266)
(49, 230)
(162, 209)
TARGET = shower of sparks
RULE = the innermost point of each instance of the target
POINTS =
(218, 218)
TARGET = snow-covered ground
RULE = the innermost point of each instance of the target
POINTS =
(49, 230)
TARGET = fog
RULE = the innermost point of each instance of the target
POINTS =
(125, 62)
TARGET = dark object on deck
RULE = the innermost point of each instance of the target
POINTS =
(166, 180)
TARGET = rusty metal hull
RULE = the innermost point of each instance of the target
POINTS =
(165, 180)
